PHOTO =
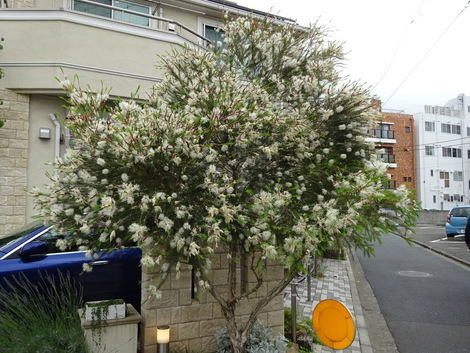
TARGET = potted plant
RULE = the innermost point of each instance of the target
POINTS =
(104, 310)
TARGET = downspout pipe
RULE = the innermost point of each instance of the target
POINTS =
(57, 135)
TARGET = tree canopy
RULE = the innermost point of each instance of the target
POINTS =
(256, 146)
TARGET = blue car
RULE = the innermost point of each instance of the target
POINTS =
(32, 252)
(457, 220)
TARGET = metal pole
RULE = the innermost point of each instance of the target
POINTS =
(315, 267)
(309, 282)
(293, 298)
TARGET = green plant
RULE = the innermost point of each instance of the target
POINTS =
(305, 334)
(261, 339)
(99, 311)
(259, 150)
(41, 317)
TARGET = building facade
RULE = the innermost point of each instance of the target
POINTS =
(443, 154)
(394, 139)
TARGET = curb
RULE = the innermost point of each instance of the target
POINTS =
(361, 327)
(440, 252)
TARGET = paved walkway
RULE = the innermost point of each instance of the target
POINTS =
(338, 283)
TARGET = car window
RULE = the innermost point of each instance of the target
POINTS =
(461, 212)
(20, 233)
(50, 238)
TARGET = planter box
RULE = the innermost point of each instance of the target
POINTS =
(113, 336)
(107, 312)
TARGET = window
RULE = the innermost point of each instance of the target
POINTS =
(432, 172)
(383, 131)
(50, 238)
(429, 150)
(434, 199)
(215, 35)
(429, 126)
(390, 184)
(468, 131)
(468, 154)
(445, 176)
(458, 176)
(115, 13)
(407, 129)
(451, 152)
(410, 179)
(450, 129)
(387, 154)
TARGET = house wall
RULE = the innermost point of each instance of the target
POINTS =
(193, 322)
(41, 46)
(14, 149)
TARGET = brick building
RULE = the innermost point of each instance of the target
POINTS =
(394, 136)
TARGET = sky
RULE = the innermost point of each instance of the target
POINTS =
(410, 53)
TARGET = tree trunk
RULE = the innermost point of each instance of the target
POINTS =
(237, 338)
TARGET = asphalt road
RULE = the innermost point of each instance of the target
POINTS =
(423, 297)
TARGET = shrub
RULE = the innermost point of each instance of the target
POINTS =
(305, 333)
(42, 317)
(261, 339)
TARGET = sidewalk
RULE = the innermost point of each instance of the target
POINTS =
(338, 283)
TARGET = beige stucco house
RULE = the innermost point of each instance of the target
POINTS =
(110, 43)
(106, 43)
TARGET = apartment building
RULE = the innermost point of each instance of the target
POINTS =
(394, 139)
(443, 153)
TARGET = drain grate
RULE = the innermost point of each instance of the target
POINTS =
(413, 274)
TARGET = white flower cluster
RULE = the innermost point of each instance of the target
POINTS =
(259, 146)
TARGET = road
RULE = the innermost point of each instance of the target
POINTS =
(424, 297)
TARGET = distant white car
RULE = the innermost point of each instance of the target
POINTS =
(457, 219)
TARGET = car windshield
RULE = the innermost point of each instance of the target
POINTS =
(19, 233)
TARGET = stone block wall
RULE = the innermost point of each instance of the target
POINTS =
(193, 320)
(13, 160)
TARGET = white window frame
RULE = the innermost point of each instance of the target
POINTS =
(117, 10)
(202, 22)
(429, 126)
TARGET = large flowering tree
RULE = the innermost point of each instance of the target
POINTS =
(257, 146)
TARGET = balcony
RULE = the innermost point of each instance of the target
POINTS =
(105, 45)
(390, 184)
(389, 159)
(382, 136)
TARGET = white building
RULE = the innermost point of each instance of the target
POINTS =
(442, 152)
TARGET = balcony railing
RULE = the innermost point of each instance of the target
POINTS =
(161, 22)
(387, 158)
(390, 184)
(384, 134)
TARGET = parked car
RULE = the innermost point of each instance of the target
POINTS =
(32, 252)
(457, 220)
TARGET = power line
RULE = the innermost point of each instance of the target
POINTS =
(427, 53)
(418, 13)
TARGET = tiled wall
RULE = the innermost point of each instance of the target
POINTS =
(13, 160)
